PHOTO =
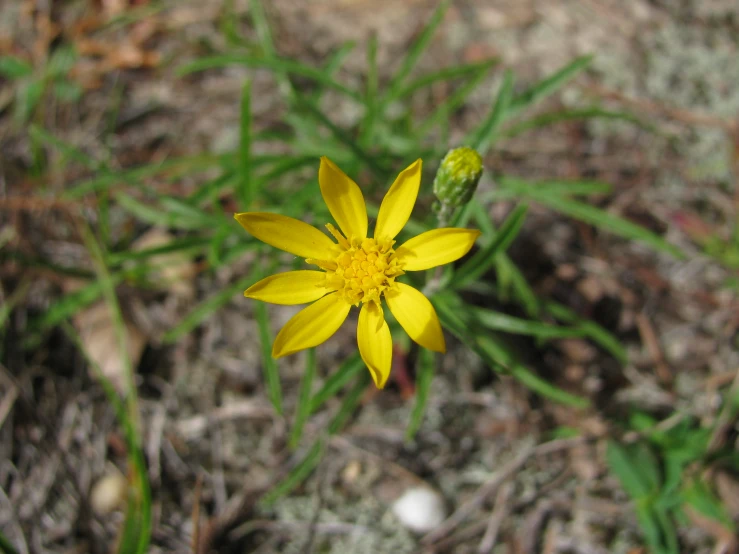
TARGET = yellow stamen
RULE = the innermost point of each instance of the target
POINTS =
(363, 270)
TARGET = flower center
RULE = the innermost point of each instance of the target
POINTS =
(362, 270)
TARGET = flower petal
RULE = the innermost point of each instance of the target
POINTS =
(287, 234)
(311, 326)
(398, 203)
(291, 287)
(417, 316)
(436, 247)
(375, 343)
(344, 199)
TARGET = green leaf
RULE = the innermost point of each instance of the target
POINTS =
(302, 411)
(425, 375)
(484, 259)
(595, 112)
(417, 49)
(245, 191)
(298, 474)
(350, 403)
(336, 381)
(445, 74)
(498, 321)
(271, 373)
(494, 351)
(512, 186)
(444, 110)
(550, 84)
(698, 495)
(211, 305)
(27, 97)
(68, 91)
(60, 63)
(592, 330)
(636, 468)
(485, 135)
(69, 151)
(606, 221)
(71, 303)
(12, 67)
(278, 65)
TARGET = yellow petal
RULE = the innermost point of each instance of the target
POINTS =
(417, 316)
(344, 199)
(291, 287)
(311, 326)
(437, 247)
(398, 203)
(287, 234)
(375, 343)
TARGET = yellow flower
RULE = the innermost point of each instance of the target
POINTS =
(356, 269)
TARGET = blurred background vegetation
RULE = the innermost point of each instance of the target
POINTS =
(588, 401)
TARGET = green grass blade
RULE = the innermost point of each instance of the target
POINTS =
(417, 49)
(12, 67)
(299, 474)
(486, 134)
(425, 368)
(39, 134)
(451, 104)
(370, 101)
(6, 546)
(245, 192)
(606, 221)
(210, 306)
(344, 138)
(278, 65)
(484, 259)
(271, 373)
(495, 353)
(520, 187)
(445, 74)
(559, 116)
(302, 410)
(264, 34)
(142, 511)
(592, 330)
(71, 303)
(509, 324)
(350, 403)
(336, 381)
(550, 84)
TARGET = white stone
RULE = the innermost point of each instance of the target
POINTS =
(420, 509)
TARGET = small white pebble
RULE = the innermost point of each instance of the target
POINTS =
(109, 493)
(420, 509)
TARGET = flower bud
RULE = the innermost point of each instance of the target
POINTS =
(457, 177)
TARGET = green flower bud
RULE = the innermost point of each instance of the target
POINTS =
(457, 177)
